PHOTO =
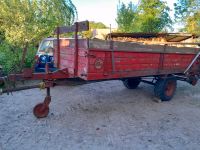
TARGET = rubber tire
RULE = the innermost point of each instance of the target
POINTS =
(131, 83)
(161, 86)
(2, 84)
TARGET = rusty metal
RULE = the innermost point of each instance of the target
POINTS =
(41, 110)
(58, 47)
(170, 88)
(42, 85)
(112, 50)
(112, 56)
(47, 98)
(27, 72)
(76, 50)
(194, 82)
(19, 89)
(161, 60)
(192, 62)
(59, 74)
(49, 83)
(193, 79)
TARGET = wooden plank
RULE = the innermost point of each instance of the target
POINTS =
(101, 45)
(82, 26)
(70, 43)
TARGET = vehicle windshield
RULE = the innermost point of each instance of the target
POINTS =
(46, 45)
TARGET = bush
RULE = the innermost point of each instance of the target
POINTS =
(10, 58)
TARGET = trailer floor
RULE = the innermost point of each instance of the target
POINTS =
(101, 116)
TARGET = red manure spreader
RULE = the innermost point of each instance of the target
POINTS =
(93, 60)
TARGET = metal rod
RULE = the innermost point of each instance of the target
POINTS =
(21, 88)
(112, 52)
(193, 61)
(48, 91)
(58, 47)
(76, 50)
(148, 82)
(161, 60)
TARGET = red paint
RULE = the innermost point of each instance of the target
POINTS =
(127, 64)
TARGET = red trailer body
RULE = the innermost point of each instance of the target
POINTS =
(98, 61)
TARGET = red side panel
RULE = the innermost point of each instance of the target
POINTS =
(129, 64)
(67, 57)
(96, 64)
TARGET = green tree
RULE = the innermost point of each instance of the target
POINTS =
(24, 21)
(187, 12)
(153, 16)
(125, 17)
(148, 16)
(93, 25)
(97, 25)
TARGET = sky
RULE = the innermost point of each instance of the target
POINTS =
(104, 11)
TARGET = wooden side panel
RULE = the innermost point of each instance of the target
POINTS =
(82, 63)
(66, 58)
(133, 64)
(140, 47)
(67, 55)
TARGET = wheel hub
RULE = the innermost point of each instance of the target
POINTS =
(170, 88)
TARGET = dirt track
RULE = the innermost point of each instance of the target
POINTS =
(101, 116)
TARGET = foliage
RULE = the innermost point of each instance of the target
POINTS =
(153, 16)
(30, 20)
(25, 22)
(2, 36)
(97, 25)
(188, 13)
(148, 16)
(93, 25)
(10, 57)
(125, 17)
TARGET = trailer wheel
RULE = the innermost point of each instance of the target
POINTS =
(1, 84)
(165, 89)
(41, 110)
(132, 83)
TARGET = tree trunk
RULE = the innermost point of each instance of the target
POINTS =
(24, 55)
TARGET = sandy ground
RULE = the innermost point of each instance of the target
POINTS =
(101, 116)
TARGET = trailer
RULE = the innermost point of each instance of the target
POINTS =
(93, 60)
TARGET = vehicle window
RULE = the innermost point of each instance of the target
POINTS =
(46, 45)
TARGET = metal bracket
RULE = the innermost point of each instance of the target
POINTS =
(193, 61)
(161, 59)
(112, 55)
